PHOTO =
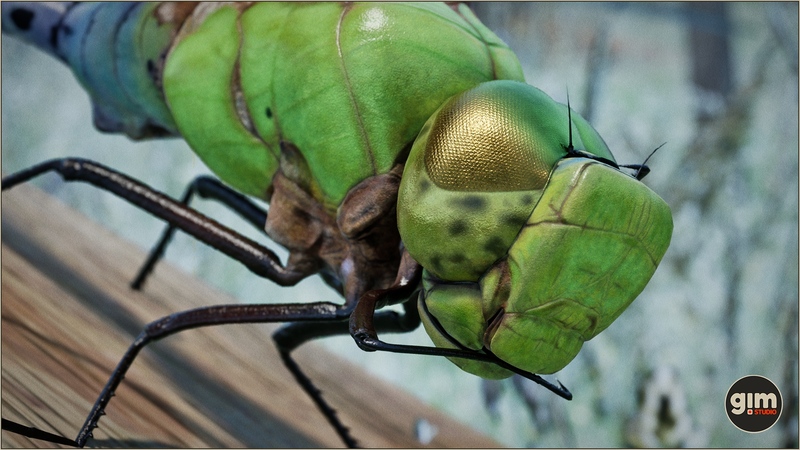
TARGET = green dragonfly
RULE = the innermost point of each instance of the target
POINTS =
(403, 158)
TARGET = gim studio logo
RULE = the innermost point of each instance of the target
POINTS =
(753, 403)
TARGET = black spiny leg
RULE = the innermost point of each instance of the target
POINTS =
(259, 259)
(293, 335)
(210, 188)
(202, 317)
(36, 433)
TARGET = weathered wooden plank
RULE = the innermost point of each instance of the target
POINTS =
(68, 315)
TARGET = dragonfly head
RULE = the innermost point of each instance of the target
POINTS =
(529, 249)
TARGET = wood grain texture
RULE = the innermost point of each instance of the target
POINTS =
(68, 316)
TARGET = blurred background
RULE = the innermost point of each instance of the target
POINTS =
(718, 82)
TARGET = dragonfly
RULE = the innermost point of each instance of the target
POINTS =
(404, 160)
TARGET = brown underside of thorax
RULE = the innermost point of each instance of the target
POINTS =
(358, 244)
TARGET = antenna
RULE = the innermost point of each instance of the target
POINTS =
(644, 163)
(641, 169)
(570, 148)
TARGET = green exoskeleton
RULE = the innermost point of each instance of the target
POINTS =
(404, 160)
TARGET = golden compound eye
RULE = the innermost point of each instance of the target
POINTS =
(483, 140)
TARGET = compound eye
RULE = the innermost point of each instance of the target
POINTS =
(492, 138)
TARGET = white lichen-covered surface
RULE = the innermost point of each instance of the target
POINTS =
(722, 305)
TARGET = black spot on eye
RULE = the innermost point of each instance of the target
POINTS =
(457, 228)
(436, 262)
(424, 185)
(457, 258)
(495, 246)
(269, 113)
(22, 18)
(514, 221)
(471, 202)
(526, 199)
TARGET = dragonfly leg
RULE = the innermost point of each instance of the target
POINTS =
(196, 318)
(209, 188)
(259, 259)
(292, 335)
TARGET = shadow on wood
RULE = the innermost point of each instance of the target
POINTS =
(68, 316)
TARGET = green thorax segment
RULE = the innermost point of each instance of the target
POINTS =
(346, 85)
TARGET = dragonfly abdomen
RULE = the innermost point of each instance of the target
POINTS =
(116, 51)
